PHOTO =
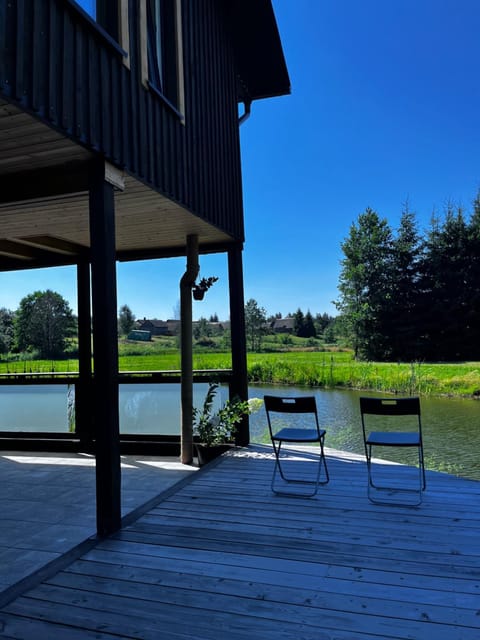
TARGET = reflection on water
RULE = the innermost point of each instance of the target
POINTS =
(34, 408)
(144, 408)
(451, 425)
(155, 408)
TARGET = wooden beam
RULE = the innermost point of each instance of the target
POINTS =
(170, 252)
(114, 176)
(48, 182)
(239, 384)
(105, 351)
(14, 249)
(50, 260)
(56, 245)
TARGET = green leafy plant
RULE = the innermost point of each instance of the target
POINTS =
(202, 287)
(218, 427)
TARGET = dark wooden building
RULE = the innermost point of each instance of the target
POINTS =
(119, 140)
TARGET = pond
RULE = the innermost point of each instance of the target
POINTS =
(451, 425)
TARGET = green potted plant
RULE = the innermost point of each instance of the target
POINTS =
(202, 287)
(215, 430)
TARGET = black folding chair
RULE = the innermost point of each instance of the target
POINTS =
(391, 411)
(284, 428)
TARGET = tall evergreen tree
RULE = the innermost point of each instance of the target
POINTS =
(298, 323)
(309, 330)
(322, 320)
(404, 322)
(444, 291)
(472, 331)
(366, 285)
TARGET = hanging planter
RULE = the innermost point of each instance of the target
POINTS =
(198, 294)
(198, 290)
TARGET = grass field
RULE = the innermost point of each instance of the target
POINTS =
(301, 368)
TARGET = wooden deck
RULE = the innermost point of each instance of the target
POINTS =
(47, 502)
(222, 558)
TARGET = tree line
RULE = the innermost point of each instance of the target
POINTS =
(44, 326)
(407, 296)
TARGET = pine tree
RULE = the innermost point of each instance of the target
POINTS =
(309, 330)
(366, 285)
(406, 252)
(444, 291)
(298, 323)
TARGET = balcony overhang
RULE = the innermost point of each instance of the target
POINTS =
(44, 204)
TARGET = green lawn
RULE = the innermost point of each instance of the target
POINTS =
(301, 368)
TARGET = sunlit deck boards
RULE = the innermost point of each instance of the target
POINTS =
(47, 502)
(224, 558)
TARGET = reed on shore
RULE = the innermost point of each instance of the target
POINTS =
(342, 371)
(322, 369)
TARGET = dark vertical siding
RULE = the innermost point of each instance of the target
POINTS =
(57, 65)
(211, 114)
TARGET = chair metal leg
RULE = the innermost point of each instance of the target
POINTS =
(378, 488)
(290, 480)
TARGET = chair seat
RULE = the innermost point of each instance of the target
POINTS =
(298, 435)
(397, 439)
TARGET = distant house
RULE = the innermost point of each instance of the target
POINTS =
(214, 328)
(154, 327)
(283, 325)
(173, 327)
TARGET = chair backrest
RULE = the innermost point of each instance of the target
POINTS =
(391, 407)
(296, 404)
(291, 405)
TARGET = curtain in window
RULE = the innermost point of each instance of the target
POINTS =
(154, 42)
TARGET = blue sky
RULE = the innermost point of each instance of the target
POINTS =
(384, 107)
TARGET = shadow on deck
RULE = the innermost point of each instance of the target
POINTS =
(219, 557)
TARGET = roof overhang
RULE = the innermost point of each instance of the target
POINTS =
(260, 62)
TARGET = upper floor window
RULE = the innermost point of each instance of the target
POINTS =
(164, 50)
(90, 6)
(105, 13)
(112, 17)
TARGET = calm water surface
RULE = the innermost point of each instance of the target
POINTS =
(451, 426)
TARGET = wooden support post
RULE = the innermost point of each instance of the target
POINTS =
(105, 351)
(186, 284)
(239, 384)
(83, 415)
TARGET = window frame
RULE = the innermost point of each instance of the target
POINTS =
(119, 40)
(166, 82)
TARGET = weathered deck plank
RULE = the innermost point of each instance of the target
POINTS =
(224, 558)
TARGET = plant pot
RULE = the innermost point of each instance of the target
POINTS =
(207, 454)
(198, 294)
